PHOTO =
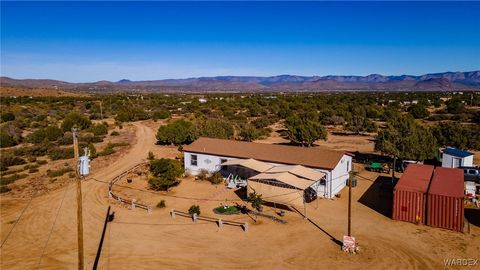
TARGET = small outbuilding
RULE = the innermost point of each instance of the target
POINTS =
(455, 158)
(445, 207)
(409, 194)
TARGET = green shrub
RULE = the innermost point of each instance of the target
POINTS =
(99, 129)
(33, 170)
(7, 161)
(4, 189)
(41, 162)
(5, 180)
(35, 150)
(165, 172)
(60, 172)
(203, 174)
(194, 209)
(61, 153)
(161, 115)
(114, 133)
(6, 140)
(216, 178)
(161, 204)
(74, 119)
(7, 116)
(177, 132)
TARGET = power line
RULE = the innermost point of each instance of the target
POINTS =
(53, 225)
(18, 219)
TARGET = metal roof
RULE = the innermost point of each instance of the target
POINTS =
(447, 182)
(457, 152)
(315, 157)
(416, 178)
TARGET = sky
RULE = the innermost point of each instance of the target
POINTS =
(91, 41)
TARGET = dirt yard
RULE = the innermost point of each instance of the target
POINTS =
(45, 235)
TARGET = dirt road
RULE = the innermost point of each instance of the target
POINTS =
(27, 242)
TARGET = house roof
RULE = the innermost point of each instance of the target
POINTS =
(248, 163)
(315, 157)
(447, 182)
(416, 178)
(456, 152)
(284, 177)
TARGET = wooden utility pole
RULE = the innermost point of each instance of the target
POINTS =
(79, 201)
(350, 203)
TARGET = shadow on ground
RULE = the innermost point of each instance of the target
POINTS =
(379, 196)
(473, 216)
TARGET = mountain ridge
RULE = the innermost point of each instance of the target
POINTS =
(445, 81)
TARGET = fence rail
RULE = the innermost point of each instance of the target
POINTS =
(220, 222)
(131, 202)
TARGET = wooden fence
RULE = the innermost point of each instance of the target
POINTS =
(220, 222)
(132, 203)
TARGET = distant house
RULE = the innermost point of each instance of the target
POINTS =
(209, 154)
(202, 100)
(454, 158)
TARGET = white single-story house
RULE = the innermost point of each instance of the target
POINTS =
(209, 154)
(454, 158)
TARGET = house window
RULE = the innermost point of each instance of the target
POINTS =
(193, 160)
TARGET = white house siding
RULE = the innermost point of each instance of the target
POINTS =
(335, 179)
(447, 161)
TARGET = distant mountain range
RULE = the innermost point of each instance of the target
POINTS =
(447, 81)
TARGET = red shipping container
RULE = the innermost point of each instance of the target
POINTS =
(409, 195)
(445, 207)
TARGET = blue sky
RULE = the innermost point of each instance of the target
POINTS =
(90, 41)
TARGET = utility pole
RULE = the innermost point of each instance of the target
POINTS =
(350, 203)
(79, 201)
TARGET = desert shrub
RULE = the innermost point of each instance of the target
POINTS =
(88, 138)
(106, 151)
(6, 140)
(216, 178)
(60, 153)
(161, 204)
(302, 130)
(33, 170)
(8, 160)
(114, 133)
(150, 156)
(161, 114)
(35, 150)
(7, 116)
(194, 209)
(66, 139)
(216, 129)
(203, 174)
(165, 173)
(30, 166)
(41, 162)
(59, 172)
(4, 189)
(99, 129)
(50, 133)
(419, 111)
(249, 133)
(74, 119)
(32, 159)
(5, 180)
(177, 132)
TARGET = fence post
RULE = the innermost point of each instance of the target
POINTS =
(220, 223)
(172, 213)
(245, 227)
(133, 203)
(149, 209)
(195, 217)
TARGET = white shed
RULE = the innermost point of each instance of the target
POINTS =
(454, 158)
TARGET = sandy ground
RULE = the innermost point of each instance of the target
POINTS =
(138, 240)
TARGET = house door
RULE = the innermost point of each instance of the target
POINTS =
(456, 163)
